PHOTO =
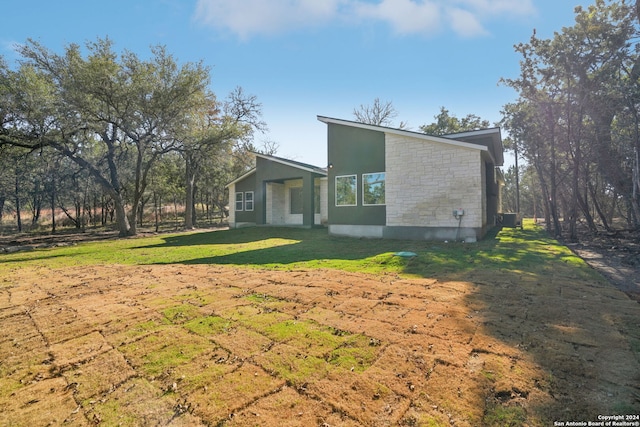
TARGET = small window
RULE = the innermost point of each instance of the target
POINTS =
(295, 195)
(346, 189)
(248, 201)
(373, 188)
(239, 201)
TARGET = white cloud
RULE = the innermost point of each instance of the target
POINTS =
(500, 7)
(404, 16)
(247, 18)
(465, 23)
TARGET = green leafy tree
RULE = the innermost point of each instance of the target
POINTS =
(446, 124)
(212, 133)
(128, 111)
(576, 117)
(167, 187)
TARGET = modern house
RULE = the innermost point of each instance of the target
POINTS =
(380, 182)
(279, 192)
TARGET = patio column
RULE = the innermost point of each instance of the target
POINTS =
(308, 210)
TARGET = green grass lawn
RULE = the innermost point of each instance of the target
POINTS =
(515, 314)
(529, 251)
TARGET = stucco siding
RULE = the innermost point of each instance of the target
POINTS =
(354, 152)
(426, 181)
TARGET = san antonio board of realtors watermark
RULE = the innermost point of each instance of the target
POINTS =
(604, 421)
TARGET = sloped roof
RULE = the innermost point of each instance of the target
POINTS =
(488, 140)
(298, 165)
(241, 177)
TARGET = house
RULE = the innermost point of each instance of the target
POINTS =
(279, 192)
(380, 182)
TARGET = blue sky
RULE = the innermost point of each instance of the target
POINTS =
(304, 58)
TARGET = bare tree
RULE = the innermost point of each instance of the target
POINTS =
(378, 114)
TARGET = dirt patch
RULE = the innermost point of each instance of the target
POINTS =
(616, 255)
(12, 243)
(210, 345)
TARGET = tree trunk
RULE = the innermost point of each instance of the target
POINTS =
(607, 164)
(155, 210)
(95, 209)
(596, 205)
(143, 202)
(194, 212)
(583, 202)
(111, 186)
(17, 199)
(553, 190)
(575, 195)
(545, 195)
(52, 200)
(190, 175)
(3, 199)
(78, 208)
(122, 221)
(584, 206)
(36, 204)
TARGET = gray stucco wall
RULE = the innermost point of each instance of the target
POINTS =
(353, 151)
(246, 185)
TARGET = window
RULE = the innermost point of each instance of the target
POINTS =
(239, 201)
(373, 188)
(346, 188)
(295, 196)
(248, 201)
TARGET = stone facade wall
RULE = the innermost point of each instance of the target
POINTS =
(275, 204)
(426, 181)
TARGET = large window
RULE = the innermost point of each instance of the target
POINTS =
(239, 201)
(248, 201)
(373, 188)
(346, 190)
(295, 195)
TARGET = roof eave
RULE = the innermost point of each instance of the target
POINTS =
(240, 178)
(401, 132)
(493, 133)
(308, 168)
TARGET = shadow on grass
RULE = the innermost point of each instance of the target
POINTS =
(531, 293)
(39, 255)
(272, 246)
(281, 247)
